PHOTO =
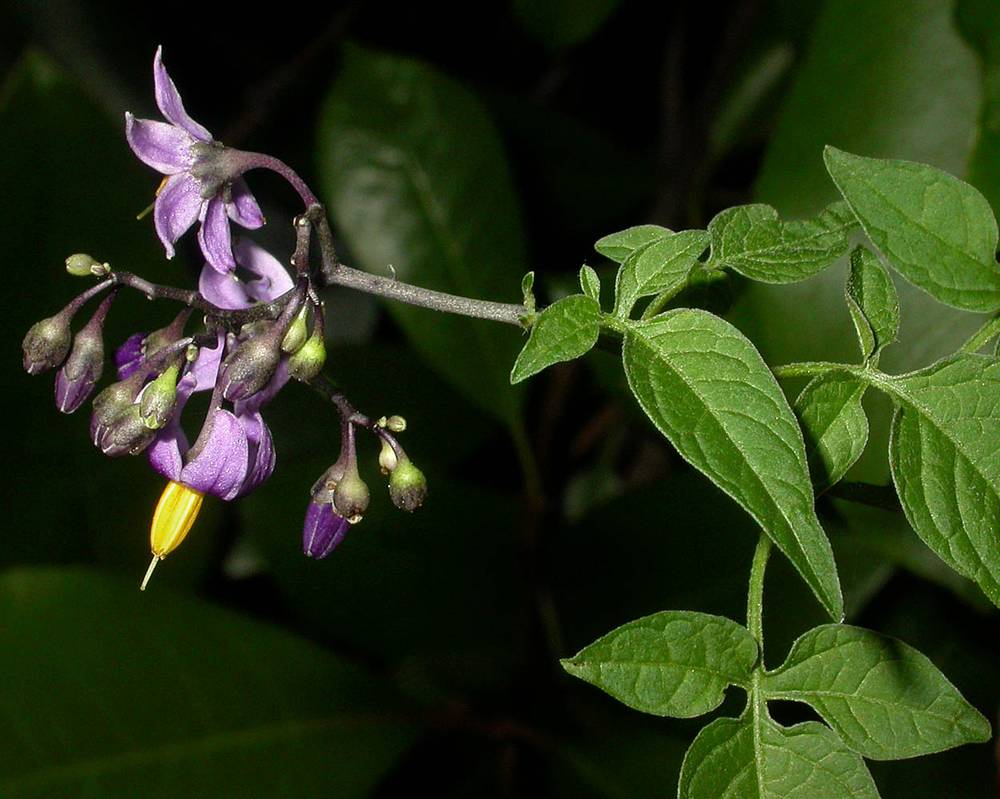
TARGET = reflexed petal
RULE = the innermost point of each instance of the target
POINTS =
(273, 279)
(202, 374)
(224, 290)
(244, 209)
(261, 451)
(221, 466)
(128, 357)
(176, 209)
(324, 529)
(164, 147)
(169, 100)
(166, 452)
(215, 238)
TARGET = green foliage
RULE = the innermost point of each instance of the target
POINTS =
(590, 283)
(674, 663)
(659, 266)
(763, 760)
(945, 463)
(936, 230)
(834, 424)
(708, 391)
(753, 241)
(619, 246)
(416, 178)
(565, 330)
(872, 302)
(180, 697)
(884, 699)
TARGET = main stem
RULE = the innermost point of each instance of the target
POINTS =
(755, 594)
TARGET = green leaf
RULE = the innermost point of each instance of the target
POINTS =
(946, 464)
(619, 246)
(563, 23)
(872, 301)
(885, 699)
(416, 177)
(936, 230)
(834, 425)
(674, 663)
(738, 758)
(119, 694)
(565, 330)
(658, 266)
(710, 393)
(590, 283)
(753, 241)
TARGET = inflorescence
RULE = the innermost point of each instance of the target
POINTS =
(259, 328)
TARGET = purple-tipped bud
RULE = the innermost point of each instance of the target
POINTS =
(85, 364)
(351, 496)
(78, 376)
(322, 490)
(165, 336)
(249, 367)
(323, 531)
(128, 434)
(407, 485)
(47, 343)
(111, 403)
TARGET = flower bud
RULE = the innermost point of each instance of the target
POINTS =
(387, 459)
(159, 398)
(297, 332)
(305, 364)
(324, 529)
(128, 434)
(397, 424)
(249, 367)
(350, 497)
(80, 373)
(165, 336)
(111, 403)
(47, 344)
(81, 265)
(407, 486)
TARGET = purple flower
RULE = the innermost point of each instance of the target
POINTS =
(323, 531)
(234, 452)
(200, 183)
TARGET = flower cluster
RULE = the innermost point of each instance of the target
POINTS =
(263, 325)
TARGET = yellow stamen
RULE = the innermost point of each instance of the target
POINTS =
(145, 211)
(175, 513)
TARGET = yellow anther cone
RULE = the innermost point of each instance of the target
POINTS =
(175, 513)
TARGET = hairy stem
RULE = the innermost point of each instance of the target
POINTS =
(979, 339)
(755, 595)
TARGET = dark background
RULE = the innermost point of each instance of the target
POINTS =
(464, 144)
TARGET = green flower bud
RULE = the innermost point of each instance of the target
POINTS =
(387, 459)
(47, 344)
(350, 498)
(82, 265)
(249, 367)
(407, 486)
(159, 398)
(127, 435)
(397, 424)
(305, 364)
(297, 332)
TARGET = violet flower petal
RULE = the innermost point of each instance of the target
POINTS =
(168, 99)
(323, 531)
(244, 209)
(202, 374)
(176, 208)
(166, 453)
(261, 451)
(128, 357)
(273, 278)
(215, 238)
(222, 465)
(164, 147)
(224, 290)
